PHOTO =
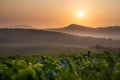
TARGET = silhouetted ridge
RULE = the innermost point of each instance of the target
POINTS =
(75, 26)
(101, 32)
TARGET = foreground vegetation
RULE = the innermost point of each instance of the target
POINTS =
(104, 66)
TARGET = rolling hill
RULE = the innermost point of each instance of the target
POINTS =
(40, 36)
(112, 32)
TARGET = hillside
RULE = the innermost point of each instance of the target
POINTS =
(101, 32)
(40, 36)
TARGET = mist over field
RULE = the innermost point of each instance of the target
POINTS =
(73, 37)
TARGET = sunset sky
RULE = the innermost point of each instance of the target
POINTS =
(59, 13)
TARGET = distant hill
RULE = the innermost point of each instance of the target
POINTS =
(101, 32)
(17, 27)
(40, 36)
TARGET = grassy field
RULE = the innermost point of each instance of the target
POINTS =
(40, 48)
(87, 66)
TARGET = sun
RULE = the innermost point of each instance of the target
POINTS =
(81, 14)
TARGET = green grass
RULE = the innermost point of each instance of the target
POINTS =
(103, 66)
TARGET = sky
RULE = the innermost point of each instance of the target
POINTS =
(59, 13)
